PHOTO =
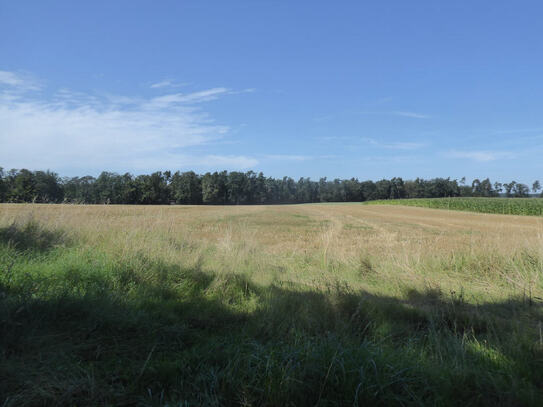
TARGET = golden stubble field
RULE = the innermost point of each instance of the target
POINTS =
(377, 248)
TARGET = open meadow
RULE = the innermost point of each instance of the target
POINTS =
(315, 304)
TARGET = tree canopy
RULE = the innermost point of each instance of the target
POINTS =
(232, 188)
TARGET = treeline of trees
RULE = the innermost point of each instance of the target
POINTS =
(232, 188)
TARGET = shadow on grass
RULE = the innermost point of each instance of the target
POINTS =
(31, 236)
(161, 334)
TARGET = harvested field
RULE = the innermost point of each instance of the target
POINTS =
(253, 305)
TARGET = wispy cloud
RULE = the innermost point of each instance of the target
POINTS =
(86, 132)
(289, 157)
(191, 161)
(10, 79)
(247, 90)
(167, 83)
(395, 145)
(360, 141)
(399, 145)
(207, 95)
(17, 81)
(169, 100)
(400, 113)
(413, 115)
(481, 156)
(227, 161)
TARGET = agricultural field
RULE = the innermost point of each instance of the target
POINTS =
(334, 304)
(504, 206)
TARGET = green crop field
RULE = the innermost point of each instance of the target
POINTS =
(290, 305)
(504, 206)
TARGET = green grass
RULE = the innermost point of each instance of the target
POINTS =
(83, 326)
(504, 206)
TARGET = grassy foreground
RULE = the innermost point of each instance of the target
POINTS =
(292, 305)
(504, 206)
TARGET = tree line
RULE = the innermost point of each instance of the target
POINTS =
(233, 188)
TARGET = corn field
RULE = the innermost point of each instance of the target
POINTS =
(505, 206)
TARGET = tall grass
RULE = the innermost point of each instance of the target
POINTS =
(123, 321)
(504, 206)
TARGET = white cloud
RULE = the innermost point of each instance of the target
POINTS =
(161, 84)
(411, 114)
(208, 161)
(227, 161)
(289, 157)
(403, 146)
(88, 132)
(18, 81)
(397, 145)
(247, 90)
(165, 101)
(9, 78)
(167, 83)
(481, 156)
(300, 158)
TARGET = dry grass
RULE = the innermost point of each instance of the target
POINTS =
(325, 304)
(314, 244)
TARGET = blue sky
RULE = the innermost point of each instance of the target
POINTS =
(367, 89)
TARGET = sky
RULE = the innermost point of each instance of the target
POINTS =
(365, 89)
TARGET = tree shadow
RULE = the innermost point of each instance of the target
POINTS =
(187, 337)
(31, 236)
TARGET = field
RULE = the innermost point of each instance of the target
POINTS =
(504, 206)
(335, 304)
